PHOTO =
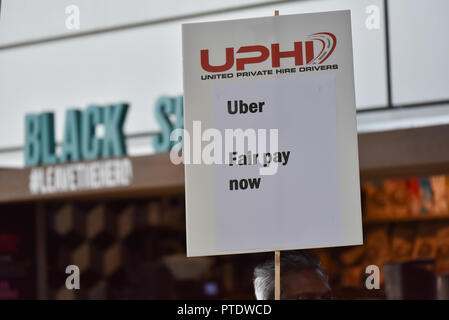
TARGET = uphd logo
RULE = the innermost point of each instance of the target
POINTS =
(316, 49)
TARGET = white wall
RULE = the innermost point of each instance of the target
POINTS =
(139, 64)
(25, 20)
(419, 50)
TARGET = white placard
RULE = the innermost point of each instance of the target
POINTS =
(290, 74)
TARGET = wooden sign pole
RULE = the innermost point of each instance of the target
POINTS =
(277, 275)
(277, 255)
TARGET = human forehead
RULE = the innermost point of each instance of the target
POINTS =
(302, 280)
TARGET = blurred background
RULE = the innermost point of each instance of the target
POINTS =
(128, 237)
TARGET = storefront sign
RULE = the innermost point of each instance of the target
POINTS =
(109, 173)
(292, 75)
(80, 141)
(96, 161)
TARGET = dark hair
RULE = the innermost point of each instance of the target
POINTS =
(298, 260)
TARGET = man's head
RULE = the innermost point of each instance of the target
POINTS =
(302, 277)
